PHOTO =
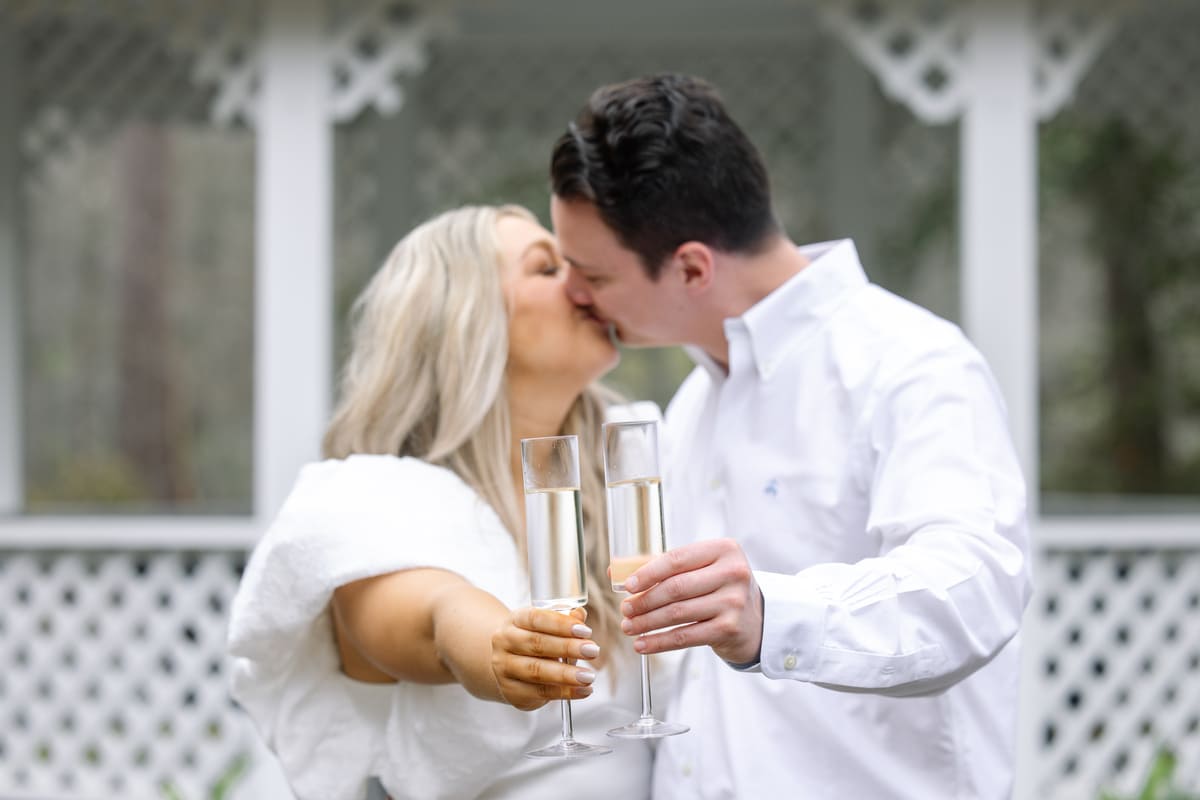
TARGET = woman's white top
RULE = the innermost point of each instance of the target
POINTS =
(369, 515)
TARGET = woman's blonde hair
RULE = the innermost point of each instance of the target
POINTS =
(426, 378)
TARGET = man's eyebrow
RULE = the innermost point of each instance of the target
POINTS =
(578, 265)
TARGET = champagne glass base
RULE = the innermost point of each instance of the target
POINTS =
(648, 728)
(569, 748)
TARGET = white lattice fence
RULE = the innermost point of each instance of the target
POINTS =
(112, 674)
(1118, 668)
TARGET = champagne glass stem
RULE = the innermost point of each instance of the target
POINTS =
(646, 712)
(568, 727)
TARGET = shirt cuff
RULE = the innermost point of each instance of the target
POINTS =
(793, 627)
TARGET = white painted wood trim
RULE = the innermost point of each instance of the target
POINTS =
(293, 288)
(999, 212)
(1141, 532)
(11, 441)
(128, 533)
(998, 230)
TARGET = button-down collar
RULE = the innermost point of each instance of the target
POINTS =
(792, 312)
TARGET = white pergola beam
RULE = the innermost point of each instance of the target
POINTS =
(11, 440)
(293, 286)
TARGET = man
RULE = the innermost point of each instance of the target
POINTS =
(856, 557)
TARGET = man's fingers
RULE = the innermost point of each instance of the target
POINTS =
(699, 633)
(686, 612)
(679, 559)
(675, 589)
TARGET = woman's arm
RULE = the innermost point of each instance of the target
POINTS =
(432, 626)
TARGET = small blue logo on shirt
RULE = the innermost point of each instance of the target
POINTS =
(772, 488)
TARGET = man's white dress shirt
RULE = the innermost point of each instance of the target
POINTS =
(858, 451)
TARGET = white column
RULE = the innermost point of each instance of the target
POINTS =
(293, 254)
(11, 483)
(999, 278)
(999, 209)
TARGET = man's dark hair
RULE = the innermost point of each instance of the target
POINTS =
(664, 164)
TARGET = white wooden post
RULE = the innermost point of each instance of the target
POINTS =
(11, 441)
(293, 284)
(999, 278)
(999, 209)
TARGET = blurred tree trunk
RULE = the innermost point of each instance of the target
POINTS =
(153, 433)
(1124, 181)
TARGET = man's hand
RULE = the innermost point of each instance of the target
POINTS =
(526, 652)
(708, 590)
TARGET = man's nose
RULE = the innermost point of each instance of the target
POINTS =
(577, 289)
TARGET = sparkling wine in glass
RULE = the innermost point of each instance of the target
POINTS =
(633, 486)
(554, 547)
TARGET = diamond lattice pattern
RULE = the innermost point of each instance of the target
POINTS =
(1118, 668)
(112, 674)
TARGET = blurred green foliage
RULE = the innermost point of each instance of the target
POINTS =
(1160, 783)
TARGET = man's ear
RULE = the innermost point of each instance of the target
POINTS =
(694, 263)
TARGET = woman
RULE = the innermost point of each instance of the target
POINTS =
(372, 634)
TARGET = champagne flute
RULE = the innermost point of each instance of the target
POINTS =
(633, 487)
(554, 548)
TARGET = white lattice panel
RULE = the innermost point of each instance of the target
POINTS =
(475, 132)
(112, 674)
(915, 49)
(89, 67)
(1119, 668)
(1147, 76)
(919, 50)
(373, 45)
(1069, 39)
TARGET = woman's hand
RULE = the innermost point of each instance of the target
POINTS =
(526, 652)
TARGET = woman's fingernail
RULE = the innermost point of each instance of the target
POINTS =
(626, 626)
(582, 631)
(639, 645)
(590, 650)
(631, 584)
(627, 609)
(585, 676)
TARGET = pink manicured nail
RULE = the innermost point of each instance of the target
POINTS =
(582, 631)
(585, 676)
(631, 584)
(639, 645)
(590, 650)
(626, 626)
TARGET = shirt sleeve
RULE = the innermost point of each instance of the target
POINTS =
(948, 586)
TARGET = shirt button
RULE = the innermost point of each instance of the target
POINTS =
(686, 770)
(714, 484)
(789, 662)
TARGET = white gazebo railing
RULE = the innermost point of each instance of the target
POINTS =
(1114, 651)
(113, 677)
